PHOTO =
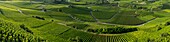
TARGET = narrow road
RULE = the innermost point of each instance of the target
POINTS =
(114, 15)
(93, 16)
(74, 18)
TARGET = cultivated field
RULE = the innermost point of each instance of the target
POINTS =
(85, 21)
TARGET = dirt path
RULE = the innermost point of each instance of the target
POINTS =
(114, 15)
(74, 18)
(93, 16)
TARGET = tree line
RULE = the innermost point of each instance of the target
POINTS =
(116, 30)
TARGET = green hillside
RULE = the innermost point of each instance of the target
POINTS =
(84, 21)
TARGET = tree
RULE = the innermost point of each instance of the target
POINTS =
(102, 1)
(1, 11)
(77, 0)
(59, 0)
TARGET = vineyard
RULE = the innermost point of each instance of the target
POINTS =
(11, 32)
(84, 21)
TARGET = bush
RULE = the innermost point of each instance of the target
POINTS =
(78, 25)
(165, 34)
(41, 18)
(60, 10)
(159, 28)
(91, 30)
(167, 23)
(71, 6)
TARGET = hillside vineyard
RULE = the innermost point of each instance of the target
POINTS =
(84, 20)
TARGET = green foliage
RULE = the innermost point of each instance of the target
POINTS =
(116, 30)
(41, 18)
(26, 28)
(167, 23)
(78, 25)
(56, 24)
(13, 33)
(85, 37)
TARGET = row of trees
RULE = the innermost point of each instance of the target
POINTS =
(117, 30)
(65, 1)
(98, 1)
(78, 25)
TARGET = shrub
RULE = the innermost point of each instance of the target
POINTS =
(91, 30)
(60, 10)
(167, 23)
(78, 25)
(41, 18)
(159, 28)
(165, 34)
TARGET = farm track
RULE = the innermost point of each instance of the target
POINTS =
(75, 18)
(140, 24)
(75, 29)
(114, 15)
(8, 8)
(146, 22)
(102, 37)
(93, 16)
(88, 32)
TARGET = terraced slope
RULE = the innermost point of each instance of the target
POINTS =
(52, 26)
(12, 32)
